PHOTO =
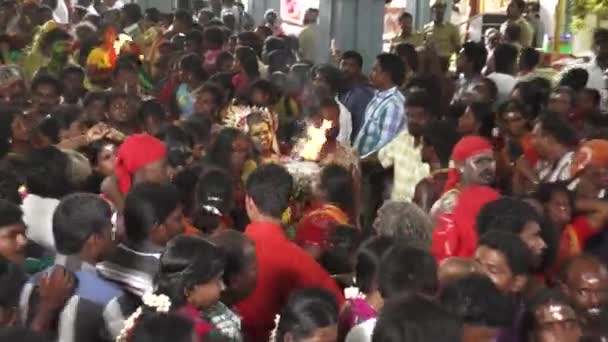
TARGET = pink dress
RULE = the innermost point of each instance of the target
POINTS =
(356, 310)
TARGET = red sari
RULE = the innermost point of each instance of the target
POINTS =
(316, 226)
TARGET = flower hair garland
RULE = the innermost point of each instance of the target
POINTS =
(161, 303)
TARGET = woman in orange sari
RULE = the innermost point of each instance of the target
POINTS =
(335, 205)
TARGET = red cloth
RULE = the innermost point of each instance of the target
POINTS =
(466, 148)
(455, 233)
(205, 331)
(316, 227)
(282, 268)
(136, 152)
(574, 237)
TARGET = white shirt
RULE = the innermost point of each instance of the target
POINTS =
(505, 84)
(38, 217)
(346, 124)
(596, 81)
(362, 332)
(558, 173)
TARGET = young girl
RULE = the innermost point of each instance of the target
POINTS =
(214, 198)
(369, 301)
(102, 155)
(189, 281)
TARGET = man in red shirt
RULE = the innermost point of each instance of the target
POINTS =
(282, 266)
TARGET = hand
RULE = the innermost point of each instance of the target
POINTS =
(115, 135)
(97, 132)
(55, 289)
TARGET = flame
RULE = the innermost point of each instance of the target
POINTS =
(316, 139)
(120, 42)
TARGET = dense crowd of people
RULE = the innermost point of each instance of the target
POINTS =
(194, 176)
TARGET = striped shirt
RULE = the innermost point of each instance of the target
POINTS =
(384, 118)
(83, 318)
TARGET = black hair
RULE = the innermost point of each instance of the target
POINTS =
(492, 88)
(72, 69)
(183, 16)
(66, 115)
(214, 90)
(570, 92)
(515, 251)
(152, 14)
(222, 147)
(273, 43)
(600, 36)
(343, 242)
(214, 36)
(505, 56)
(46, 79)
(540, 298)
(10, 213)
(195, 37)
(146, 206)
(521, 4)
(545, 192)
(270, 187)
(160, 327)
(553, 125)
(416, 319)
(354, 56)
(76, 218)
(476, 54)
(306, 311)
(12, 279)
(506, 214)
(92, 150)
(421, 98)
(21, 334)
(338, 184)
(95, 96)
(477, 301)
(408, 51)
(533, 100)
(132, 12)
(199, 128)
(266, 87)
(594, 94)
(442, 136)
(233, 245)
(248, 60)
(392, 64)
(49, 127)
(152, 108)
(47, 172)
(222, 58)
(49, 38)
(9, 185)
(405, 15)
(529, 58)
(279, 60)
(179, 145)
(368, 259)
(194, 64)
(187, 261)
(482, 111)
(332, 75)
(407, 270)
(213, 199)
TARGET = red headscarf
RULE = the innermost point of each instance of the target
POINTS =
(591, 153)
(136, 151)
(466, 148)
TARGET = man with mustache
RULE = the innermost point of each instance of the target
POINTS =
(466, 192)
(584, 279)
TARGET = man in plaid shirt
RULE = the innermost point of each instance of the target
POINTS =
(384, 116)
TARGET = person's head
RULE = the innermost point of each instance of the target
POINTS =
(529, 59)
(416, 319)
(310, 315)
(329, 76)
(342, 244)
(407, 270)
(419, 111)
(515, 216)
(13, 242)
(505, 59)
(472, 58)
(406, 22)
(279, 60)
(329, 110)
(438, 140)
(234, 143)
(191, 70)
(130, 14)
(388, 71)
(588, 101)
(505, 259)
(351, 64)
(260, 130)
(213, 38)
(241, 269)
(263, 93)
(492, 38)
(47, 172)
(247, 62)
(82, 225)
(152, 213)
(486, 91)
(557, 202)
(208, 100)
(73, 84)
(182, 21)
(551, 134)
(477, 301)
(95, 106)
(336, 186)
(550, 316)
(438, 8)
(204, 16)
(45, 92)
(12, 279)
(193, 42)
(269, 189)
(405, 222)
(141, 158)
(474, 160)
(584, 280)
(562, 101)
(190, 272)
(119, 110)
(160, 327)
(102, 156)
(600, 43)
(213, 200)
(516, 9)
(56, 44)
(152, 116)
(367, 263)
(271, 17)
(477, 119)
(151, 17)
(514, 118)
(409, 57)
(179, 148)
(272, 44)
(126, 73)
(310, 16)
(532, 96)
(224, 62)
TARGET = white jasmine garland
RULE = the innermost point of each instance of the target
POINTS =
(161, 303)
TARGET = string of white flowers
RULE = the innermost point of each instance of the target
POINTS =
(161, 303)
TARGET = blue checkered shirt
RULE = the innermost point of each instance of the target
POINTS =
(384, 118)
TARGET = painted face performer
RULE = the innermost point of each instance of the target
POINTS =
(259, 128)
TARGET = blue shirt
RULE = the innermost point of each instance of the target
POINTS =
(384, 118)
(356, 100)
